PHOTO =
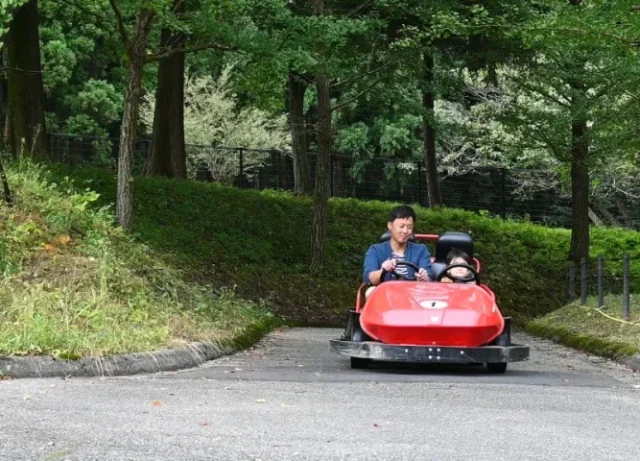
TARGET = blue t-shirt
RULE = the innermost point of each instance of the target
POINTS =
(415, 253)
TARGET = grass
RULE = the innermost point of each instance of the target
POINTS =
(258, 242)
(73, 285)
(586, 328)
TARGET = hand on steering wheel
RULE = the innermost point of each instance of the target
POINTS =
(397, 276)
(473, 276)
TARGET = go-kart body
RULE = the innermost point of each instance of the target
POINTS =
(431, 321)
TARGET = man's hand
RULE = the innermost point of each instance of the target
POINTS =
(423, 275)
(389, 265)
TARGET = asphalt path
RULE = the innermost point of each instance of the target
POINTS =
(290, 398)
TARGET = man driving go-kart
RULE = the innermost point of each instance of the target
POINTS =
(398, 318)
(381, 260)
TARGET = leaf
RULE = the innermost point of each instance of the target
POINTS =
(156, 403)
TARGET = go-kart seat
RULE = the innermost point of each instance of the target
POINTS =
(447, 242)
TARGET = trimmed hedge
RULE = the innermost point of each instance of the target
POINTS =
(259, 241)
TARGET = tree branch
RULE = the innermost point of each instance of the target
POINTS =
(84, 9)
(540, 91)
(359, 8)
(170, 52)
(359, 77)
(120, 21)
(356, 97)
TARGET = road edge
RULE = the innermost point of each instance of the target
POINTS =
(194, 355)
(602, 347)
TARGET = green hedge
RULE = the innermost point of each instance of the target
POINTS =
(259, 241)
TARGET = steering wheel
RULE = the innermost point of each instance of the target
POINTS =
(400, 276)
(474, 276)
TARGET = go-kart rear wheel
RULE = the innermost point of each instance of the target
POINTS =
(497, 368)
(359, 364)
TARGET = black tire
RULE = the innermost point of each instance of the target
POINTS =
(497, 368)
(359, 364)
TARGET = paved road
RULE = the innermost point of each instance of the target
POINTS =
(290, 399)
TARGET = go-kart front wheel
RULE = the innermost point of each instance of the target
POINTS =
(497, 368)
(359, 364)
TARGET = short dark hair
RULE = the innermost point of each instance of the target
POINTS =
(402, 212)
(457, 253)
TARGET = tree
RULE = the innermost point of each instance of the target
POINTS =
(167, 153)
(26, 127)
(6, 192)
(136, 52)
(301, 175)
(323, 155)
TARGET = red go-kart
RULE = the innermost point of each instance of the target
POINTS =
(404, 320)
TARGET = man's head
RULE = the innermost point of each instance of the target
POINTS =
(401, 222)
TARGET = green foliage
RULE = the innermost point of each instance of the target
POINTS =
(71, 284)
(265, 258)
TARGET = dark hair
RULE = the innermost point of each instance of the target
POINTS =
(402, 212)
(456, 253)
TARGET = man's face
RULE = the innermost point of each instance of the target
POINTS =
(401, 229)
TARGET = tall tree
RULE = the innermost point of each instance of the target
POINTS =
(301, 173)
(167, 154)
(429, 132)
(26, 127)
(323, 155)
(136, 51)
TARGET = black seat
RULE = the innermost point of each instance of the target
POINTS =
(447, 242)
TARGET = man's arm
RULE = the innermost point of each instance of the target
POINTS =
(372, 271)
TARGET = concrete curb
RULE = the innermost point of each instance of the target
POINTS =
(192, 356)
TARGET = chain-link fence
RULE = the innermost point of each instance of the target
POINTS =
(532, 194)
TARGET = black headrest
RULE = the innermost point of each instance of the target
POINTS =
(387, 235)
(450, 240)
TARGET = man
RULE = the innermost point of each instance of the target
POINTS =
(385, 255)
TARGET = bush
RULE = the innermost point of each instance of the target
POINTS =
(259, 241)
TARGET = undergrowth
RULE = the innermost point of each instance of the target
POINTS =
(599, 331)
(72, 284)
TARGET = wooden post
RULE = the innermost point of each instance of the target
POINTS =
(600, 282)
(625, 288)
(583, 281)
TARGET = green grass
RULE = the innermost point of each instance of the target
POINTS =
(586, 328)
(74, 285)
(259, 243)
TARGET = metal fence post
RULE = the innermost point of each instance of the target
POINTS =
(572, 282)
(418, 188)
(331, 175)
(504, 193)
(600, 282)
(625, 288)
(583, 281)
(241, 167)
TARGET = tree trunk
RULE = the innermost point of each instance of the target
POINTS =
(324, 137)
(321, 193)
(27, 128)
(168, 157)
(429, 134)
(301, 174)
(579, 191)
(5, 186)
(136, 56)
(579, 174)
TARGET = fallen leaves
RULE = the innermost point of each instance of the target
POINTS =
(156, 403)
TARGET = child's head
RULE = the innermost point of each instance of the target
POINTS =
(456, 256)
